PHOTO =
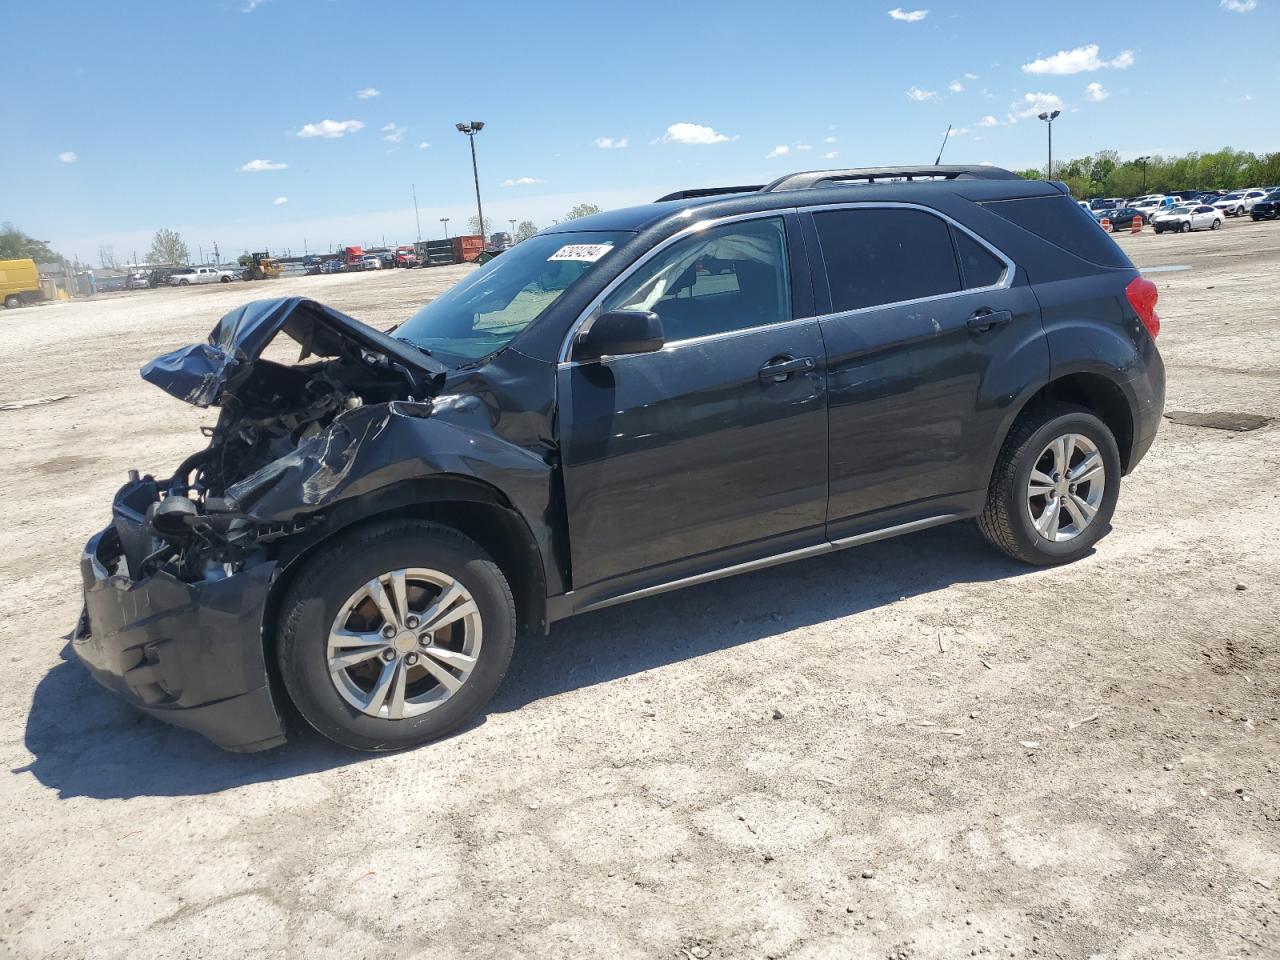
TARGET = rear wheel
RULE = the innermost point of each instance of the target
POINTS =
(184, 283)
(224, 279)
(1054, 487)
(1185, 228)
(396, 635)
(1216, 224)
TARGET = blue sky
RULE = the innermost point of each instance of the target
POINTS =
(123, 118)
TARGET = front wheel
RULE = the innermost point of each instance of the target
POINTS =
(224, 279)
(1185, 228)
(1216, 224)
(184, 283)
(396, 635)
(12, 301)
(1054, 486)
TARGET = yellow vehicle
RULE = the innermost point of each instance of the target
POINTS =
(19, 283)
(260, 266)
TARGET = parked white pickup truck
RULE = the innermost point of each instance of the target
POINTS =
(184, 278)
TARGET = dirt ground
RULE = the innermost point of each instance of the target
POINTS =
(912, 749)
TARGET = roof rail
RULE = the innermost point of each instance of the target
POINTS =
(708, 192)
(835, 178)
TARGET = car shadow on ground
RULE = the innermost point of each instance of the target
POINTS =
(86, 742)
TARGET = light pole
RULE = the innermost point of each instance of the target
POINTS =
(414, 190)
(1143, 161)
(471, 129)
(513, 230)
(445, 221)
(1049, 118)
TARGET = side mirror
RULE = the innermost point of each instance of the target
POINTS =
(619, 333)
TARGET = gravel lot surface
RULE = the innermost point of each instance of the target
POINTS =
(912, 749)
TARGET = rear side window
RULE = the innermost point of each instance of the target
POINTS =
(979, 267)
(1059, 221)
(880, 256)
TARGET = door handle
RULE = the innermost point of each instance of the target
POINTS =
(779, 368)
(985, 320)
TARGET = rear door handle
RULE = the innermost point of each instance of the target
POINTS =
(985, 320)
(779, 368)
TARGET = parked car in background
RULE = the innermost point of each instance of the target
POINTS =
(334, 265)
(1233, 204)
(371, 262)
(1188, 217)
(159, 276)
(1121, 218)
(498, 242)
(189, 276)
(1153, 205)
(1268, 208)
(137, 281)
(1105, 203)
(620, 406)
(112, 284)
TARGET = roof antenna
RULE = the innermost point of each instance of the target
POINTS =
(945, 137)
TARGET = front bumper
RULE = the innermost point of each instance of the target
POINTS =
(190, 654)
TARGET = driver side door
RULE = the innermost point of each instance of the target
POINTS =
(713, 450)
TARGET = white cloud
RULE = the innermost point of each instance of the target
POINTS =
(828, 139)
(955, 86)
(988, 121)
(520, 182)
(609, 143)
(920, 96)
(423, 145)
(803, 146)
(692, 133)
(1239, 6)
(330, 129)
(252, 5)
(908, 16)
(1096, 92)
(280, 201)
(958, 131)
(261, 166)
(1034, 104)
(68, 156)
(971, 76)
(366, 93)
(831, 155)
(1080, 60)
(393, 134)
(781, 150)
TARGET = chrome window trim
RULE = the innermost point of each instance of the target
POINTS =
(652, 252)
(1006, 279)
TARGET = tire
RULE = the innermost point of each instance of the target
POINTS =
(184, 283)
(1185, 228)
(1006, 520)
(12, 302)
(224, 279)
(1216, 224)
(324, 590)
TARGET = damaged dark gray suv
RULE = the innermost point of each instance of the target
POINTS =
(622, 405)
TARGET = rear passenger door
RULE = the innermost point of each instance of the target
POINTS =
(920, 317)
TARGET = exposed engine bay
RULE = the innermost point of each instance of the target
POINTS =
(200, 523)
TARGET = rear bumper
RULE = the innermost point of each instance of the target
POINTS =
(189, 654)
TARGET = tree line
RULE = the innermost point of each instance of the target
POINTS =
(1105, 175)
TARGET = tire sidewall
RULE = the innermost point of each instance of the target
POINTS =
(314, 602)
(1047, 551)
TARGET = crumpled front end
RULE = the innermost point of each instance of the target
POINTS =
(176, 588)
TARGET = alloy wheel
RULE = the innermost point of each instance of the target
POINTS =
(404, 643)
(1065, 490)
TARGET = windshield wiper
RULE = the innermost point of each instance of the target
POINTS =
(416, 346)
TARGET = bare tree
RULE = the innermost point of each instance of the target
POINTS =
(167, 247)
(525, 230)
(107, 257)
(475, 228)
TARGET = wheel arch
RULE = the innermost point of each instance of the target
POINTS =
(470, 506)
(1097, 393)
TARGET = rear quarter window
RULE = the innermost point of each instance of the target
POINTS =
(1057, 220)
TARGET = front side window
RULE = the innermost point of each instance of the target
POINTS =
(882, 256)
(725, 278)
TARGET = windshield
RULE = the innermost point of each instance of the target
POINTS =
(485, 311)
(1233, 196)
(1180, 210)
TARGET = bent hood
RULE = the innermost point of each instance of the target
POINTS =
(201, 373)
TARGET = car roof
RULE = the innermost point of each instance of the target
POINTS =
(843, 187)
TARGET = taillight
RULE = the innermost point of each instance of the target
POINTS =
(1142, 294)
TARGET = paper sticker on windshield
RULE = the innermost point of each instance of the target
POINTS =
(588, 252)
